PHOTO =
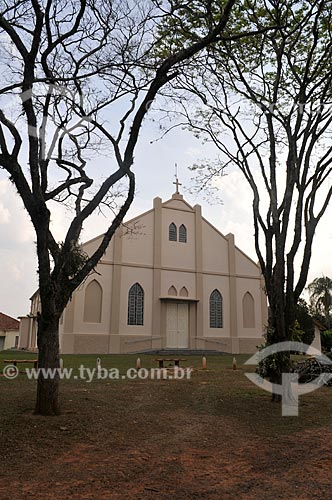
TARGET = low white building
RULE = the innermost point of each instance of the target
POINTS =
(169, 279)
(9, 332)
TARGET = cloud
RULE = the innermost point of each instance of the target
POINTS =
(193, 153)
(18, 260)
(4, 215)
(235, 214)
(15, 225)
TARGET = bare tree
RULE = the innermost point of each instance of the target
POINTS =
(79, 76)
(265, 103)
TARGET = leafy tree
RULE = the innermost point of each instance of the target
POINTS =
(264, 102)
(305, 322)
(320, 291)
(77, 79)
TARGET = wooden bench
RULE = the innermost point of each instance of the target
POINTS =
(176, 361)
(16, 361)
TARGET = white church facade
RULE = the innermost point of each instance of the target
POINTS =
(168, 280)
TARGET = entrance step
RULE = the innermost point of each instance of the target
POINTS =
(182, 352)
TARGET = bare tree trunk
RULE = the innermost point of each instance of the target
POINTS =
(47, 401)
(279, 333)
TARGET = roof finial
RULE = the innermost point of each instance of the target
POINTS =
(177, 183)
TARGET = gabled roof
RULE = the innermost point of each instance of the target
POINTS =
(178, 197)
(167, 204)
(8, 323)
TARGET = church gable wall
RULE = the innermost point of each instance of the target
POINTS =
(137, 240)
(103, 278)
(215, 250)
(91, 246)
(244, 265)
(177, 254)
(178, 204)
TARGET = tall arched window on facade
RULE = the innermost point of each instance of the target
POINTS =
(136, 305)
(172, 232)
(248, 307)
(183, 234)
(93, 302)
(216, 309)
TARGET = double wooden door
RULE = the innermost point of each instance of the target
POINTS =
(177, 330)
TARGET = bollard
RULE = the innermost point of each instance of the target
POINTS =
(138, 363)
(234, 366)
(204, 363)
(61, 365)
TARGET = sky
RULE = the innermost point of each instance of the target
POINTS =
(155, 170)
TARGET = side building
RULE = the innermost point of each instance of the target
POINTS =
(9, 332)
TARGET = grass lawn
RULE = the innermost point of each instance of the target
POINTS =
(214, 436)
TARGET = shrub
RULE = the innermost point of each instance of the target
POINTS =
(326, 340)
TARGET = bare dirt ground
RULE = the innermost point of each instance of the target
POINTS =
(213, 437)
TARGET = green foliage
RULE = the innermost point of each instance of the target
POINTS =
(320, 291)
(190, 22)
(296, 332)
(272, 367)
(259, 57)
(326, 340)
(305, 323)
(74, 260)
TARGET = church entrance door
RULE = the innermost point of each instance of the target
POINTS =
(177, 325)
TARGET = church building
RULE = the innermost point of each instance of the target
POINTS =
(168, 280)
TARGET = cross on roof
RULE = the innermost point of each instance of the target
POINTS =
(177, 184)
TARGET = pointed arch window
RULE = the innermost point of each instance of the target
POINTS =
(183, 234)
(172, 291)
(93, 300)
(172, 232)
(248, 307)
(136, 305)
(216, 309)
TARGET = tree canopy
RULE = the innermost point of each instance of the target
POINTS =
(264, 102)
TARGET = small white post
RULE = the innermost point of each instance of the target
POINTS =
(61, 365)
(98, 365)
(138, 363)
(204, 363)
(234, 365)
